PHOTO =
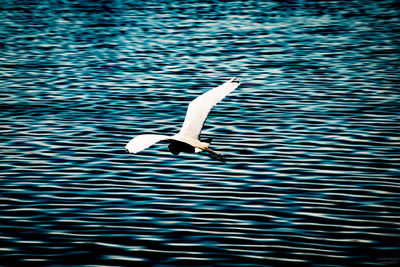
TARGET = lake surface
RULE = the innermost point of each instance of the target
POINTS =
(311, 137)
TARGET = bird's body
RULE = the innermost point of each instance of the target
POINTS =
(187, 140)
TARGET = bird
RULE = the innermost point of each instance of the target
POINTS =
(187, 139)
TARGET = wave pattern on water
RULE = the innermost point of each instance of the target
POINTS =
(311, 136)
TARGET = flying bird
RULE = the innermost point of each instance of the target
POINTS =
(187, 140)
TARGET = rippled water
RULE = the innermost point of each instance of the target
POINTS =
(311, 136)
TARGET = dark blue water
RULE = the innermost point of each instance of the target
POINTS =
(311, 136)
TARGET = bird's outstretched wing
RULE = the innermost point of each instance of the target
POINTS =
(144, 141)
(199, 108)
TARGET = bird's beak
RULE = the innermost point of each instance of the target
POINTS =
(235, 80)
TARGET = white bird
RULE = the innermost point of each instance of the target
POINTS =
(187, 140)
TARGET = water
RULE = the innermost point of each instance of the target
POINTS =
(311, 136)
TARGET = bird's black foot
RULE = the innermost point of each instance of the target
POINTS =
(215, 156)
(221, 158)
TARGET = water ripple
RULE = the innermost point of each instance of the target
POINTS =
(310, 137)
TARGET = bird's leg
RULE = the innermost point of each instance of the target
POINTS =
(218, 156)
(210, 150)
